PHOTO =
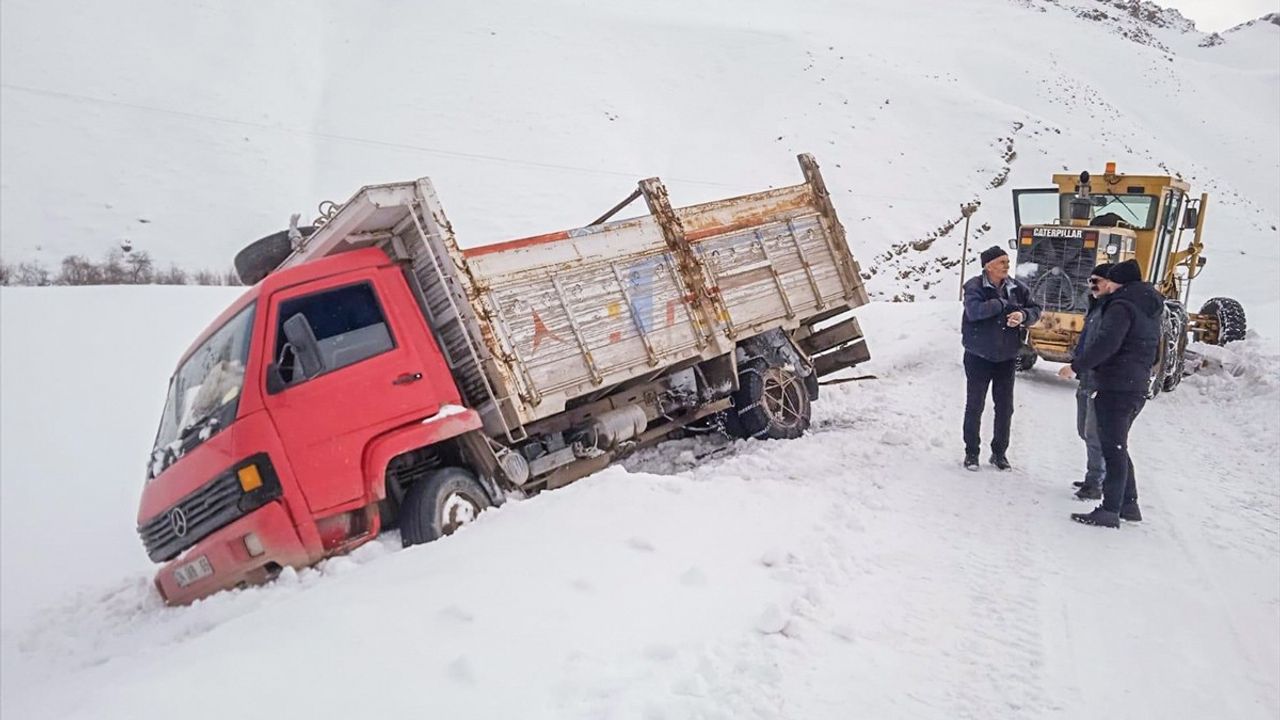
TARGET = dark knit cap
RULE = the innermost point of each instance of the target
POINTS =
(1103, 270)
(992, 253)
(1125, 272)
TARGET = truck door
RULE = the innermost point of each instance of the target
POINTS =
(370, 379)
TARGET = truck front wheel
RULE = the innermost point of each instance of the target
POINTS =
(439, 504)
(771, 402)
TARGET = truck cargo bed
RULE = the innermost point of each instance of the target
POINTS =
(532, 324)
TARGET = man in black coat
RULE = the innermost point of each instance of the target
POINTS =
(997, 308)
(1120, 352)
(1086, 416)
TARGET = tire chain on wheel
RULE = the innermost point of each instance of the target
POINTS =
(1175, 340)
(1232, 323)
(748, 418)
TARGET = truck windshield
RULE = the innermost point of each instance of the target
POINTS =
(205, 391)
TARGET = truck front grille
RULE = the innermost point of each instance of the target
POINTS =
(208, 508)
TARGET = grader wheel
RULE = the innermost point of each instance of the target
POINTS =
(1175, 345)
(1228, 317)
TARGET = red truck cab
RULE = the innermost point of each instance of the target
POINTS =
(258, 465)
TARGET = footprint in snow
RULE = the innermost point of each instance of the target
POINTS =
(461, 671)
(453, 613)
(771, 621)
(639, 543)
(693, 577)
(659, 653)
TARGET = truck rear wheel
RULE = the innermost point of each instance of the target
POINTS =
(439, 504)
(1230, 317)
(771, 402)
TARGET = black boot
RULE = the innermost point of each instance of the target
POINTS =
(1000, 461)
(1100, 517)
(1089, 492)
(971, 463)
(1079, 483)
(1129, 511)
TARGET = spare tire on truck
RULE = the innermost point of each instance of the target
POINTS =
(260, 257)
(1230, 317)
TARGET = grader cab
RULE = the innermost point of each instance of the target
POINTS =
(1065, 230)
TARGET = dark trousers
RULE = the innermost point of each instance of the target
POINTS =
(1116, 412)
(1087, 428)
(999, 375)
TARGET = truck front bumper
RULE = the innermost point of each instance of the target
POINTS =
(250, 551)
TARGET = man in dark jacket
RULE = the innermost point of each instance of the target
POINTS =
(996, 310)
(1120, 352)
(1086, 417)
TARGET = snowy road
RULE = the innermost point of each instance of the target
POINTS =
(856, 572)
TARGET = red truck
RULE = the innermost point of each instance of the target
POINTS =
(376, 375)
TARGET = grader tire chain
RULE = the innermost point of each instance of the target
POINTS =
(1232, 325)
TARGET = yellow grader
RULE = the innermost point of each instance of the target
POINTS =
(1065, 230)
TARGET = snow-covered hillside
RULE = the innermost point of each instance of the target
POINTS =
(856, 572)
(193, 128)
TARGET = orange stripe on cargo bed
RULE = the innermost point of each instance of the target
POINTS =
(705, 233)
(515, 244)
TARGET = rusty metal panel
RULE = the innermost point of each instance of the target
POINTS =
(530, 324)
(576, 327)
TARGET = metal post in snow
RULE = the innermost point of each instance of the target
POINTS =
(966, 211)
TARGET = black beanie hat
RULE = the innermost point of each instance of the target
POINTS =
(992, 253)
(1102, 271)
(1125, 272)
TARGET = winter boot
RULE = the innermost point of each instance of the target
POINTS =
(1079, 483)
(971, 463)
(1099, 517)
(1000, 461)
(1129, 511)
(1089, 492)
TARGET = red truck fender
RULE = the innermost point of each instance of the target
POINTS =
(450, 422)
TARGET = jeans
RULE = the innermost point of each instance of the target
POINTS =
(979, 373)
(1116, 413)
(1087, 429)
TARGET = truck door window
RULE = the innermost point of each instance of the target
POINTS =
(348, 324)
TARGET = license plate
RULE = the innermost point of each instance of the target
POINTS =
(193, 571)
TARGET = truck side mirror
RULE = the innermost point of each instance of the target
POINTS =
(305, 347)
(1191, 219)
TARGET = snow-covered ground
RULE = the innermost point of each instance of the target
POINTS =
(856, 572)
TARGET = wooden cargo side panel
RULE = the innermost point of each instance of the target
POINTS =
(770, 257)
(593, 308)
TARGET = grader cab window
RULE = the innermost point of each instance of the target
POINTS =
(1110, 210)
